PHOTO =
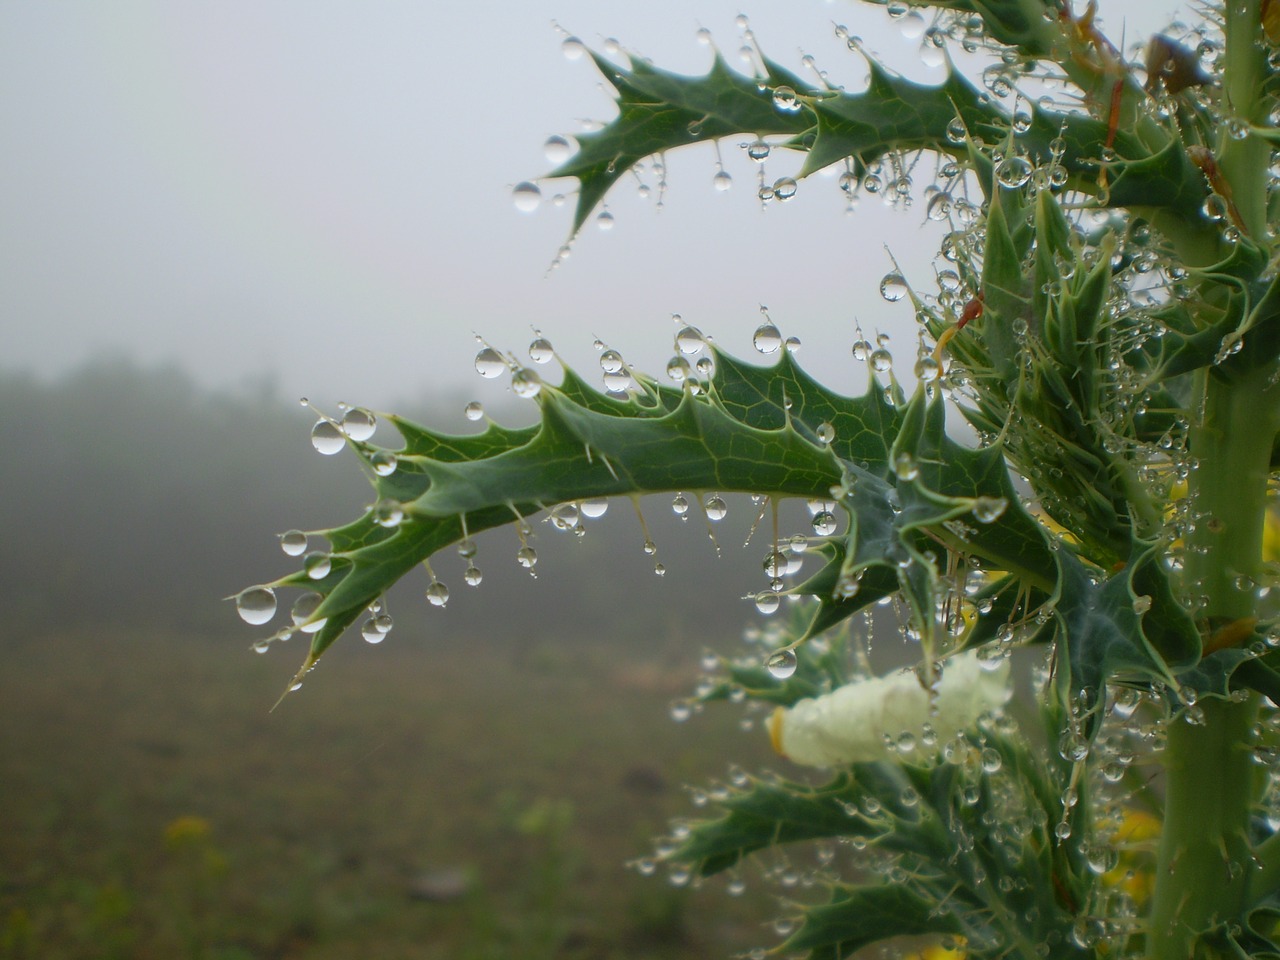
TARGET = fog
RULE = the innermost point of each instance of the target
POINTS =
(319, 195)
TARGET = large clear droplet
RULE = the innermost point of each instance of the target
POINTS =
(785, 100)
(541, 351)
(489, 363)
(384, 463)
(767, 339)
(594, 509)
(525, 383)
(611, 361)
(989, 509)
(293, 543)
(573, 48)
(784, 188)
(327, 438)
(388, 513)
(689, 341)
(824, 523)
(474, 410)
(1013, 171)
(302, 610)
(359, 424)
(527, 196)
(893, 287)
(317, 563)
(472, 576)
(370, 632)
(680, 506)
(557, 149)
(758, 150)
(437, 594)
(527, 557)
(256, 605)
(715, 508)
(767, 602)
(722, 181)
(782, 664)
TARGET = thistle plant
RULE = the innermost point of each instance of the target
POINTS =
(1105, 314)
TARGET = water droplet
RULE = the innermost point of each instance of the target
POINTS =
(474, 410)
(293, 543)
(689, 341)
(782, 664)
(715, 508)
(303, 608)
(680, 506)
(317, 563)
(327, 438)
(557, 149)
(1013, 171)
(359, 424)
(784, 188)
(904, 465)
(527, 196)
(370, 632)
(256, 605)
(540, 351)
(467, 548)
(767, 339)
(956, 131)
(928, 369)
(826, 433)
(785, 100)
(767, 602)
(722, 181)
(881, 360)
(388, 513)
(437, 594)
(824, 523)
(573, 48)
(472, 576)
(989, 509)
(525, 383)
(991, 760)
(776, 563)
(678, 369)
(893, 287)
(861, 349)
(489, 363)
(605, 220)
(611, 361)
(758, 150)
(384, 463)
(527, 557)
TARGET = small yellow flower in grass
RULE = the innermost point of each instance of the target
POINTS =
(1137, 832)
(852, 723)
(937, 952)
(186, 831)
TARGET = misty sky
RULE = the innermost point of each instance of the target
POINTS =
(319, 194)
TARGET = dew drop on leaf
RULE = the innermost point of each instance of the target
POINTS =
(573, 48)
(781, 664)
(557, 149)
(525, 383)
(437, 594)
(785, 100)
(489, 363)
(388, 513)
(384, 463)
(256, 605)
(784, 188)
(611, 361)
(303, 608)
(540, 351)
(359, 424)
(893, 287)
(527, 557)
(1013, 171)
(474, 410)
(767, 602)
(824, 523)
(293, 543)
(722, 181)
(767, 339)
(317, 564)
(527, 196)
(472, 576)
(327, 438)
(370, 632)
(605, 220)
(989, 509)
(825, 433)
(716, 508)
(758, 150)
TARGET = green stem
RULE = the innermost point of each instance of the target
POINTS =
(1244, 161)
(1204, 860)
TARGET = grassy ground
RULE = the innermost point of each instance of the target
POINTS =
(152, 807)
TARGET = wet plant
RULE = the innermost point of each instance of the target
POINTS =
(1105, 314)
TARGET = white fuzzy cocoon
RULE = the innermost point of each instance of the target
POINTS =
(849, 724)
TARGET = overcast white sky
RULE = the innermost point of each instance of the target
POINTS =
(320, 192)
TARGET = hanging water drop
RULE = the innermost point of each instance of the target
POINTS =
(472, 576)
(767, 339)
(384, 463)
(474, 410)
(388, 512)
(489, 363)
(893, 287)
(557, 149)
(782, 664)
(989, 509)
(758, 150)
(604, 220)
(293, 543)
(678, 369)
(359, 424)
(370, 632)
(327, 438)
(722, 181)
(525, 383)
(928, 369)
(594, 509)
(573, 48)
(784, 188)
(825, 433)
(881, 360)
(437, 594)
(715, 508)
(767, 602)
(540, 351)
(256, 605)
(824, 523)
(1013, 171)
(302, 610)
(680, 506)
(527, 196)
(317, 563)
(527, 557)
(785, 100)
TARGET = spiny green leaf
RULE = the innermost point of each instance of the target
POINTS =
(858, 916)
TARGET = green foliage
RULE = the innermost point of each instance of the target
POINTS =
(1107, 319)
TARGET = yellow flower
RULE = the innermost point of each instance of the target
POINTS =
(937, 952)
(186, 831)
(1137, 830)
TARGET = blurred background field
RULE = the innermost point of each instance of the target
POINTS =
(472, 787)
